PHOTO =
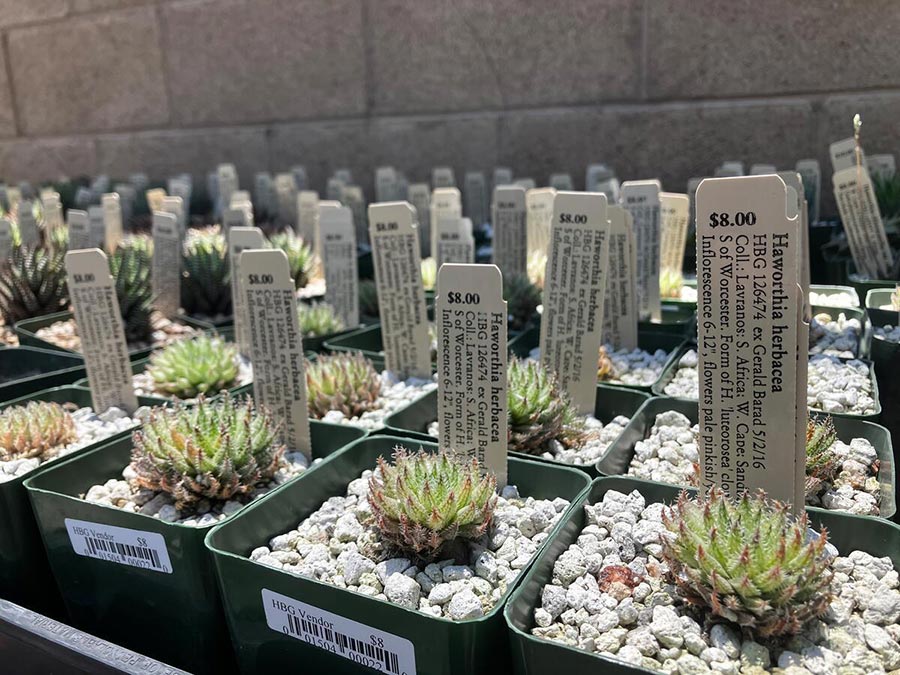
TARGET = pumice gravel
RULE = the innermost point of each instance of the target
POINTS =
(634, 367)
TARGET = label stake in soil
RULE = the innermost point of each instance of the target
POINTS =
(641, 198)
(673, 212)
(455, 243)
(307, 212)
(752, 341)
(470, 316)
(539, 204)
(28, 228)
(446, 202)
(574, 293)
(79, 230)
(510, 236)
(475, 195)
(166, 264)
(112, 220)
(401, 296)
(620, 314)
(96, 307)
(276, 347)
(340, 263)
(240, 239)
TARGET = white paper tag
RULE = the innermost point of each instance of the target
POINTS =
(352, 197)
(240, 215)
(307, 212)
(539, 215)
(561, 181)
(510, 236)
(620, 314)
(401, 296)
(860, 214)
(99, 320)
(386, 184)
(574, 294)
(286, 191)
(503, 175)
(420, 198)
(762, 169)
(732, 168)
(227, 179)
(843, 154)
(112, 220)
(175, 206)
(641, 199)
(611, 188)
(120, 545)
(446, 202)
(354, 641)
(97, 226)
(155, 199)
(796, 207)
(475, 195)
(812, 185)
(673, 213)
(340, 263)
(596, 174)
(28, 227)
(455, 243)
(52, 210)
(166, 263)
(182, 187)
(79, 230)
(5, 238)
(443, 177)
(239, 240)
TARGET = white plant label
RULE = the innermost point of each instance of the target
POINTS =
(79, 230)
(112, 220)
(52, 210)
(420, 198)
(286, 191)
(334, 189)
(352, 197)
(475, 195)
(386, 184)
(673, 214)
(539, 215)
(443, 177)
(300, 177)
(354, 641)
(641, 198)
(276, 347)
(155, 199)
(227, 179)
(762, 169)
(843, 154)
(175, 206)
(510, 236)
(239, 240)
(401, 296)
(237, 216)
(5, 238)
(97, 226)
(344, 175)
(307, 212)
(99, 320)
(324, 205)
(29, 234)
(811, 175)
(166, 263)
(181, 187)
(574, 294)
(562, 181)
(446, 202)
(120, 545)
(859, 211)
(340, 263)
(595, 175)
(502, 176)
(881, 166)
(611, 188)
(796, 206)
(455, 243)
(752, 341)
(620, 314)
(470, 317)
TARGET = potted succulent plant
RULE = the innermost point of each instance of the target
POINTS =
(641, 580)
(319, 323)
(32, 283)
(883, 309)
(418, 552)
(157, 494)
(206, 277)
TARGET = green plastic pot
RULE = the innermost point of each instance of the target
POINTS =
(648, 341)
(176, 617)
(412, 421)
(835, 258)
(678, 318)
(885, 356)
(441, 646)
(617, 459)
(24, 573)
(820, 233)
(24, 370)
(678, 302)
(824, 289)
(534, 656)
(27, 332)
(863, 285)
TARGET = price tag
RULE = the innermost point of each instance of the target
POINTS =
(181, 187)
(286, 191)
(300, 178)
(401, 296)
(120, 545)
(443, 177)
(503, 175)
(762, 169)
(881, 166)
(752, 340)
(97, 226)
(574, 293)
(861, 216)
(155, 199)
(276, 347)
(510, 236)
(166, 263)
(340, 263)
(307, 212)
(5, 238)
(562, 181)
(641, 199)
(79, 230)
(238, 216)
(112, 220)
(96, 307)
(227, 181)
(29, 234)
(620, 315)
(334, 189)
(811, 176)
(470, 316)
(352, 197)
(446, 202)
(52, 209)
(455, 243)
(239, 240)
(673, 213)
(420, 198)
(175, 206)
(539, 215)
(843, 154)
(386, 184)
(475, 195)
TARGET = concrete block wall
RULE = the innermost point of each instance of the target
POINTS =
(654, 88)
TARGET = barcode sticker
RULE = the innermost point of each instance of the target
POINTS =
(121, 545)
(354, 641)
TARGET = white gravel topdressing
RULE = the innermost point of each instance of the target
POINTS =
(888, 332)
(395, 394)
(338, 546)
(634, 367)
(584, 454)
(650, 626)
(90, 428)
(836, 337)
(144, 384)
(833, 299)
(670, 454)
(165, 332)
(832, 385)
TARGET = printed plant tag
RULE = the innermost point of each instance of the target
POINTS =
(166, 263)
(276, 347)
(324, 205)
(352, 197)
(155, 199)
(401, 297)
(227, 180)
(796, 207)
(340, 263)
(562, 181)
(641, 199)
(112, 220)
(286, 192)
(881, 166)
(334, 189)
(749, 329)
(175, 206)
(574, 294)
(526, 183)
(97, 226)
(5, 238)
(386, 184)
(502, 176)
(52, 211)
(843, 154)
(595, 175)
(96, 307)
(300, 178)
(420, 198)
(307, 212)
(812, 186)
(611, 188)
(673, 214)
(620, 314)
(539, 215)
(860, 214)
(510, 236)
(475, 195)
(79, 230)
(446, 202)
(120, 545)
(762, 169)
(237, 216)
(443, 177)
(470, 317)
(455, 243)
(239, 240)
(29, 234)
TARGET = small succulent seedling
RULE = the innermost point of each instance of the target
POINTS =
(130, 265)
(537, 267)
(318, 319)
(429, 273)
(345, 382)
(522, 299)
(300, 256)
(188, 368)
(670, 283)
(205, 274)
(423, 503)
(748, 561)
(33, 284)
(539, 411)
(214, 450)
(33, 429)
(606, 370)
(822, 464)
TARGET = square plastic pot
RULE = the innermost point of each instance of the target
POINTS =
(534, 656)
(885, 356)
(616, 460)
(824, 289)
(441, 646)
(27, 332)
(413, 420)
(24, 370)
(678, 318)
(863, 285)
(177, 616)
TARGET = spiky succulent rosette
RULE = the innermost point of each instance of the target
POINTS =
(423, 502)
(33, 429)
(318, 319)
(187, 368)
(822, 464)
(429, 273)
(300, 256)
(747, 561)
(539, 411)
(130, 265)
(205, 274)
(214, 450)
(368, 299)
(347, 382)
(33, 284)
(522, 299)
